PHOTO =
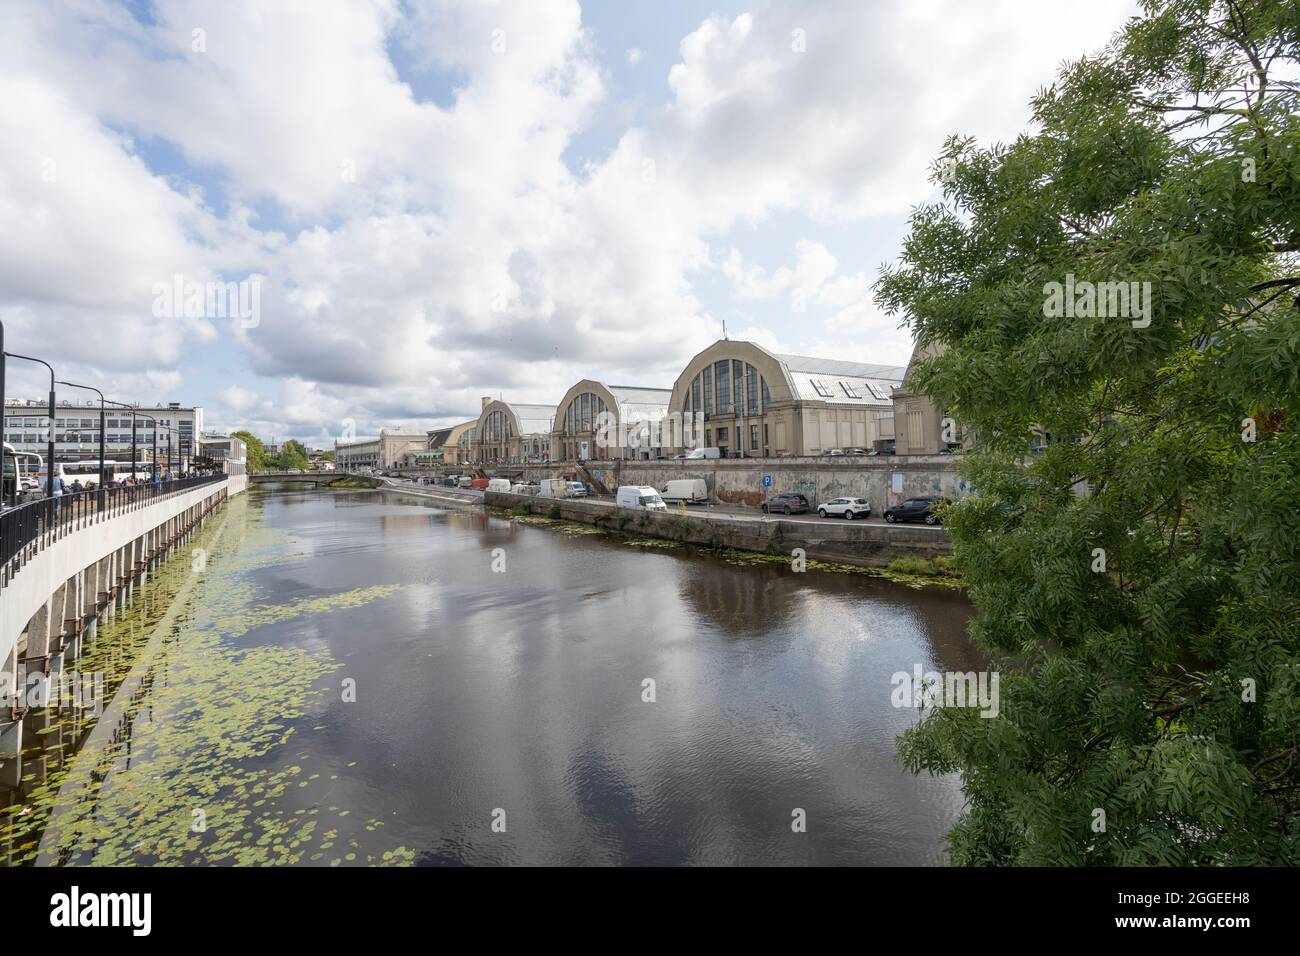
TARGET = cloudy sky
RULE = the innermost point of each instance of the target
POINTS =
(444, 200)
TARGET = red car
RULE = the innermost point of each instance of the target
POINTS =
(479, 484)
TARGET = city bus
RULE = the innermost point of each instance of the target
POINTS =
(13, 482)
(20, 476)
(87, 472)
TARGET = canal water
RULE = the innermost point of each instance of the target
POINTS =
(362, 677)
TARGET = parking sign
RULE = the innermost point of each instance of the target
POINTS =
(767, 481)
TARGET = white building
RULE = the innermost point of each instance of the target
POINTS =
(386, 451)
(76, 429)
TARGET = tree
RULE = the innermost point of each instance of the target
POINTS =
(292, 455)
(1137, 580)
(257, 458)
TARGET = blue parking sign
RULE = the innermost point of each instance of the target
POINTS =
(767, 481)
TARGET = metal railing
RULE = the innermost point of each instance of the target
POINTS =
(29, 529)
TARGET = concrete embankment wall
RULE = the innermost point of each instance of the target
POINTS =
(842, 542)
(56, 599)
(740, 480)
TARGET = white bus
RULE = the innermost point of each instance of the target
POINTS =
(87, 472)
(19, 473)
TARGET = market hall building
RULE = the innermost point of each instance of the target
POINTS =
(744, 400)
(607, 422)
(512, 433)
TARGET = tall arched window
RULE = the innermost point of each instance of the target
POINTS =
(583, 413)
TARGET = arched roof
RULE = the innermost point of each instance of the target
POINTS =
(799, 377)
(630, 403)
(526, 419)
(458, 430)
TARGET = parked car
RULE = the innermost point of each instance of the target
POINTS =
(856, 451)
(833, 453)
(850, 508)
(464, 481)
(499, 484)
(689, 490)
(787, 504)
(577, 489)
(639, 498)
(479, 484)
(699, 453)
(916, 509)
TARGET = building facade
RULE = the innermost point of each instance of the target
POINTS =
(512, 433)
(386, 451)
(606, 422)
(353, 453)
(76, 430)
(456, 449)
(746, 401)
(226, 452)
(919, 422)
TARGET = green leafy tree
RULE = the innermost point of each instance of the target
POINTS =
(292, 455)
(1136, 571)
(257, 458)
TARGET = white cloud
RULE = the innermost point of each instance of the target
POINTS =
(466, 257)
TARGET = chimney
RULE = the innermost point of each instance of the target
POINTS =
(487, 400)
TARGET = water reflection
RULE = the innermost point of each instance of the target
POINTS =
(521, 690)
(503, 678)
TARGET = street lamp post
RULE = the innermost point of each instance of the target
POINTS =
(133, 450)
(91, 388)
(153, 431)
(49, 462)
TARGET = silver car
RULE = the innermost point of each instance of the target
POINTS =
(850, 508)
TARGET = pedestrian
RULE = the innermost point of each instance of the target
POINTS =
(55, 488)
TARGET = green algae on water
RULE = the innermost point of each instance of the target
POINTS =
(194, 772)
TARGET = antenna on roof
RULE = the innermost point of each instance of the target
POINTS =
(724, 329)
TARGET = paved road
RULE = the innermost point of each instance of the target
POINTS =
(742, 512)
(724, 511)
(468, 495)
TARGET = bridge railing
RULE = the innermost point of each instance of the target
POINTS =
(28, 529)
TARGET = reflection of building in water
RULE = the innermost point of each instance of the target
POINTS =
(740, 600)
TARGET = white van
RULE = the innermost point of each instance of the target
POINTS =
(639, 498)
(553, 488)
(690, 490)
(704, 453)
(499, 484)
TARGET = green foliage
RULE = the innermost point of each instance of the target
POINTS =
(922, 567)
(257, 458)
(292, 455)
(1172, 157)
(553, 511)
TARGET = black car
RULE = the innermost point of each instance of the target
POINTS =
(787, 504)
(916, 509)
